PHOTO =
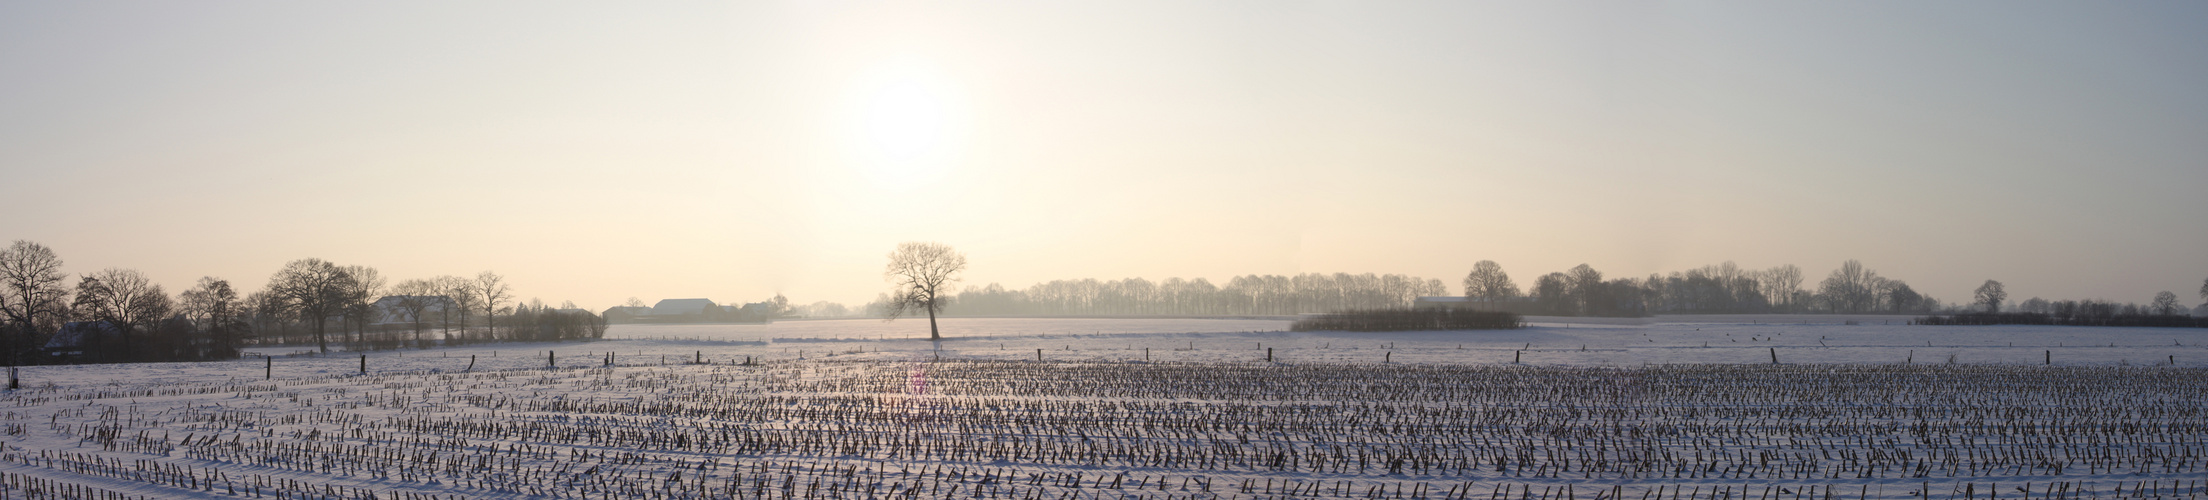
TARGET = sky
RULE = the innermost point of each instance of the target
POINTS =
(734, 150)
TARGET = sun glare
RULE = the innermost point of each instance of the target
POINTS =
(906, 124)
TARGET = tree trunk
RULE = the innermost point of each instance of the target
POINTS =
(933, 334)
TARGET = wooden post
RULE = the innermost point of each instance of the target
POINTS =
(1038, 354)
(471, 363)
(363, 364)
(1774, 355)
(1515, 356)
(1389, 358)
(1268, 354)
(271, 374)
(13, 384)
(1145, 354)
(701, 357)
(2050, 357)
(550, 359)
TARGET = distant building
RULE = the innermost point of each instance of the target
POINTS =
(672, 308)
(626, 314)
(690, 311)
(73, 337)
(666, 311)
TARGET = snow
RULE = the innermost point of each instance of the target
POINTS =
(856, 404)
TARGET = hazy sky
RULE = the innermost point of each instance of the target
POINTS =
(593, 152)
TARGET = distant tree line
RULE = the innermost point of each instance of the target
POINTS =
(2085, 319)
(1395, 320)
(1728, 289)
(1242, 295)
(2163, 311)
(1716, 289)
(118, 315)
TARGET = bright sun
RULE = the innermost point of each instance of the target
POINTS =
(907, 123)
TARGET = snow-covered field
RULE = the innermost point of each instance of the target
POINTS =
(1149, 408)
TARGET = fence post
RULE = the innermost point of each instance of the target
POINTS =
(1268, 354)
(471, 363)
(270, 375)
(1774, 355)
(363, 364)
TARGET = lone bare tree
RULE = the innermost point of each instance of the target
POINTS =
(1991, 295)
(1489, 283)
(32, 299)
(922, 273)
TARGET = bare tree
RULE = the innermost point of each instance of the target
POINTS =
(1487, 282)
(1851, 288)
(367, 286)
(1781, 283)
(1899, 297)
(1586, 288)
(32, 299)
(462, 294)
(214, 306)
(1991, 295)
(494, 292)
(2165, 303)
(415, 298)
(1551, 292)
(126, 300)
(921, 274)
(312, 290)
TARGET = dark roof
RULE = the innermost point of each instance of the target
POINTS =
(72, 335)
(670, 307)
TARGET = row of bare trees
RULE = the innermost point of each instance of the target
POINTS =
(119, 315)
(140, 320)
(1242, 295)
(308, 296)
(1721, 288)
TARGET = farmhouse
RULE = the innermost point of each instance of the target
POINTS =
(74, 337)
